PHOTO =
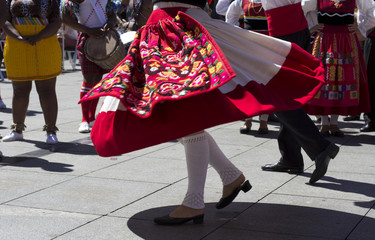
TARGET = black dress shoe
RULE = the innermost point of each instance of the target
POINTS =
(281, 167)
(272, 118)
(369, 127)
(352, 118)
(167, 220)
(322, 161)
(245, 187)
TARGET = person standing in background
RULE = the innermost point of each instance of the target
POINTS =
(254, 19)
(3, 18)
(336, 44)
(286, 20)
(32, 53)
(92, 19)
(369, 56)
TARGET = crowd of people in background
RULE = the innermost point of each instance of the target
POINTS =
(332, 41)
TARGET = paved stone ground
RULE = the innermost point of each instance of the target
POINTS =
(71, 193)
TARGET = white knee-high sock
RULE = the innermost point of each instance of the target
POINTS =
(197, 154)
(225, 168)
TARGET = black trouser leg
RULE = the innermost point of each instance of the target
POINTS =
(305, 133)
(289, 148)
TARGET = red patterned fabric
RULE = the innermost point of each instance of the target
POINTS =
(346, 88)
(165, 75)
(336, 6)
(155, 100)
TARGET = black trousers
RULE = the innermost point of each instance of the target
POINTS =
(369, 55)
(298, 130)
(296, 127)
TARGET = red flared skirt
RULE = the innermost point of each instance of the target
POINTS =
(187, 72)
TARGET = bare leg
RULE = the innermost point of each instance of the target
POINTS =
(48, 100)
(20, 101)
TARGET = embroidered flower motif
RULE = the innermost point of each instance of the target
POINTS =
(157, 69)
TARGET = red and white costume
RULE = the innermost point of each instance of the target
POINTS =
(187, 69)
(346, 90)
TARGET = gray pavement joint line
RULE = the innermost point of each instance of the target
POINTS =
(360, 221)
(266, 195)
(107, 214)
(82, 225)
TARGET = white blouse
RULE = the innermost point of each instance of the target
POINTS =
(366, 13)
(271, 4)
(235, 11)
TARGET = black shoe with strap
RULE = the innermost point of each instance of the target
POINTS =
(168, 220)
(245, 187)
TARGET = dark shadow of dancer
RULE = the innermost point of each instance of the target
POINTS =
(75, 148)
(28, 113)
(257, 221)
(342, 185)
(34, 162)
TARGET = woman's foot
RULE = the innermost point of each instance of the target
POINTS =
(246, 127)
(324, 130)
(13, 136)
(231, 191)
(228, 189)
(263, 127)
(335, 131)
(182, 214)
(186, 212)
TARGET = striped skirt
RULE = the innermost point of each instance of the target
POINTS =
(346, 89)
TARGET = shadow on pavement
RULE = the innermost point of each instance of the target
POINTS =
(75, 148)
(256, 221)
(342, 185)
(34, 162)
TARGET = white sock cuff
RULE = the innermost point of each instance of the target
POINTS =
(229, 174)
(193, 200)
(193, 138)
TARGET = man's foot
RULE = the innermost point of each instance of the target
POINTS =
(351, 118)
(272, 118)
(281, 167)
(182, 214)
(368, 127)
(322, 161)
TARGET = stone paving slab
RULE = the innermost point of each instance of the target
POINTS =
(316, 215)
(42, 224)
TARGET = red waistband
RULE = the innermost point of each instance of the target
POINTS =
(286, 20)
(164, 13)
